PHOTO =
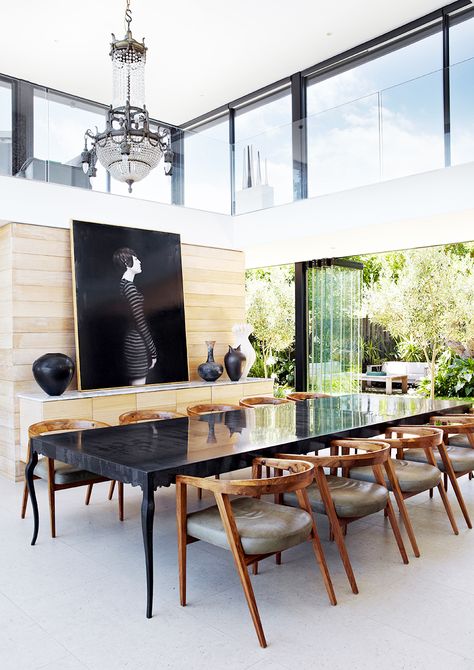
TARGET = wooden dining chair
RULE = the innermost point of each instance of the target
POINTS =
(412, 478)
(256, 401)
(61, 475)
(210, 408)
(137, 416)
(345, 500)
(251, 528)
(299, 396)
(456, 457)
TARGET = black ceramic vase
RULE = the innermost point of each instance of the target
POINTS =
(210, 370)
(234, 361)
(53, 372)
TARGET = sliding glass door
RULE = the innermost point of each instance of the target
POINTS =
(333, 290)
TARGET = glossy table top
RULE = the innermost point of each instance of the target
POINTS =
(156, 451)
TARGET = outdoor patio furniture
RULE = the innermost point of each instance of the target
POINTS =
(387, 379)
(413, 371)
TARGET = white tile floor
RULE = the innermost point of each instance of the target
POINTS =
(78, 601)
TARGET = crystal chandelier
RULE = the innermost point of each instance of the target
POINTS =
(130, 146)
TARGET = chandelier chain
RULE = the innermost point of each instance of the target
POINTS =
(128, 15)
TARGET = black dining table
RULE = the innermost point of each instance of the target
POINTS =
(151, 454)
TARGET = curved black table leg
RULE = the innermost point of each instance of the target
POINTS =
(148, 511)
(29, 470)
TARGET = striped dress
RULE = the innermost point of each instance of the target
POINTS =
(139, 347)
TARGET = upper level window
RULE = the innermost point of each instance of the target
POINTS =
(60, 122)
(377, 118)
(263, 153)
(5, 128)
(461, 58)
(207, 166)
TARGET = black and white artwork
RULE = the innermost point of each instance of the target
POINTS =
(129, 307)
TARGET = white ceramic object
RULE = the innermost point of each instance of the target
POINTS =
(241, 333)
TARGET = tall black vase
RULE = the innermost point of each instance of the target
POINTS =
(234, 361)
(53, 372)
(210, 370)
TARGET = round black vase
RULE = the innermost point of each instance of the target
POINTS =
(234, 361)
(210, 370)
(53, 372)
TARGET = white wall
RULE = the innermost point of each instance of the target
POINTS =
(426, 209)
(43, 204)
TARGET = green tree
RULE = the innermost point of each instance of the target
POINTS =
(430, 301)
(270, 303)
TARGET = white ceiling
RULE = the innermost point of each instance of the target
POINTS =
(201, 53)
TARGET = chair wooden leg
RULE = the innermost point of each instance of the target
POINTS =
(402, 508)
(111, 489)
(24, 501)
(52, 502)
(335, 529)
(431, 493)
(120, 500)
(470, 476)
(233, 538)
(317, 547)
(449, 473)
(278, 558)
(445, 481)
(448, 508)
(181, 516)
(398, 536)
(88, 494)
(199, 494)
(255, 568)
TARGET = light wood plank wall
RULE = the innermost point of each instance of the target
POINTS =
(37, 312)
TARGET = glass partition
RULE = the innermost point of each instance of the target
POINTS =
(207, 162)
(5, 128)
(333, 318)
(60, 122)
(263, 154)
(412, 127)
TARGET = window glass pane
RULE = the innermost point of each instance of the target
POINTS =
(461, 40)
(263, 154)
(59, 126)
(461, 53)
(363, 124)
(5, 128)
(207, 167)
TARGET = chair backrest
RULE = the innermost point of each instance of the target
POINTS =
(301, 475)
(395, 367)
(306, 395)
(254, 401)
(147, 415)
(413, 437)
(375, 453)
(210, 408)
(60, 425)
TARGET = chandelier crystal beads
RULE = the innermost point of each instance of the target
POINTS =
(131, 145)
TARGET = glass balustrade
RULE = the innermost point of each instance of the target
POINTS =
(391, 133)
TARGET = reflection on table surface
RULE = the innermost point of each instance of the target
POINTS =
(162, 445)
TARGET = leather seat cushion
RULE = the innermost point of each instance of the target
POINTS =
(63, 473)
(412, 477)
(462, 459)
(264, 527)
(459, 440)
(351, 498)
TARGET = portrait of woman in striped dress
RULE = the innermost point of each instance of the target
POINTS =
(138, 348)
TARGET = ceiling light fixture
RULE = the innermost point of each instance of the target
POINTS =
(131, 145)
